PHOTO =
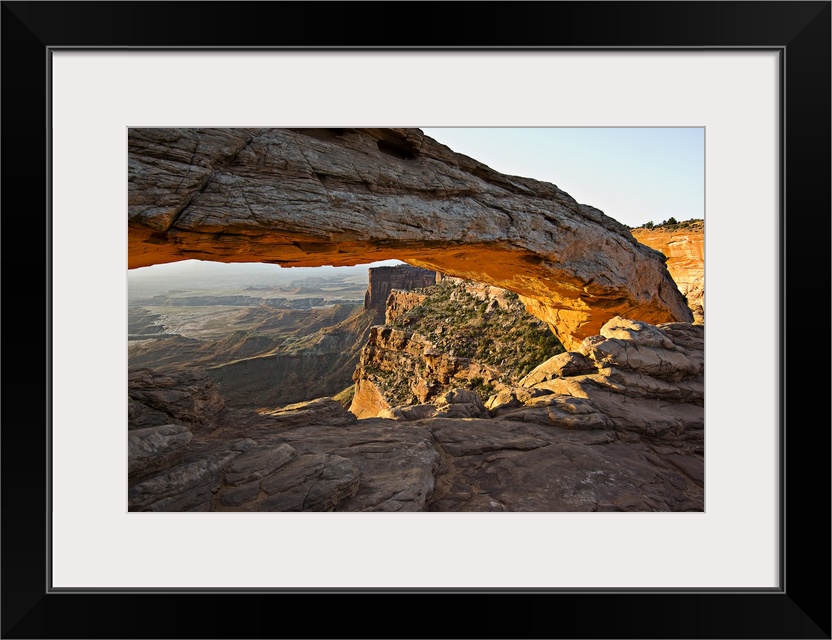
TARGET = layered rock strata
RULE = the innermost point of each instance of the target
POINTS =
(615, 426)
(182, 397)
(383, 280)
(308, 197)
(684, 247)
(452, 334)
(278, 357)
(637, 379)
(401, 365)
(399, 303)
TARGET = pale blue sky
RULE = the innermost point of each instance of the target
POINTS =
(634, 175)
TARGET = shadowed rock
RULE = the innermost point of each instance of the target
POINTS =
(456, 403)
(190, 396)
(617, 425)
(189, 486)
(154, 448)
(315, 482)
(383, 280)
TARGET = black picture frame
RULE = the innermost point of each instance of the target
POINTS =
(800, 31)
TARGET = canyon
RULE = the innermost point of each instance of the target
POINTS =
(614, 426)
(607, 414)
(271, 345)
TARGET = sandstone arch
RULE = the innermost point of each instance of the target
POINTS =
(311, 197)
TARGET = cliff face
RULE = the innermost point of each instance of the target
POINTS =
(400, 303)
(399, 367)
(317, 365)
(614, 426)
(280, 357)
(685, 251)
(382, 280)
(454, 334)
(309, 197)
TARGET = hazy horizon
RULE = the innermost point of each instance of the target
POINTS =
(185, 267)
(196, 275)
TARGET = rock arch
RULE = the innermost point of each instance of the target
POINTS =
(312, 197)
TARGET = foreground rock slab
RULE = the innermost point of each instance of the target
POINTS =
(617, 425)
(190, 397)
(155, 448)
(509, 466)
(639, 379)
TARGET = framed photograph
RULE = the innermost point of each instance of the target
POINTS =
(755, 76)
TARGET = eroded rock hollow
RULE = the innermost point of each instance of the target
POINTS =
(311, 197)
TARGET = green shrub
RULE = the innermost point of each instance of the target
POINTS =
(510, 339)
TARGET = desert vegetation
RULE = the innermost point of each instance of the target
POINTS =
(497, 331)
(671, 224)
(478, 337)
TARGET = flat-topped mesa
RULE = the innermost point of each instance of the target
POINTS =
(312, 197)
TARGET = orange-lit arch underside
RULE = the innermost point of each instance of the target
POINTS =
(354, 196)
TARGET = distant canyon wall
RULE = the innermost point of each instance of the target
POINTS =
(383, 280)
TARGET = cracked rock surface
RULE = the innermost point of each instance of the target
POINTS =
(615, 426)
